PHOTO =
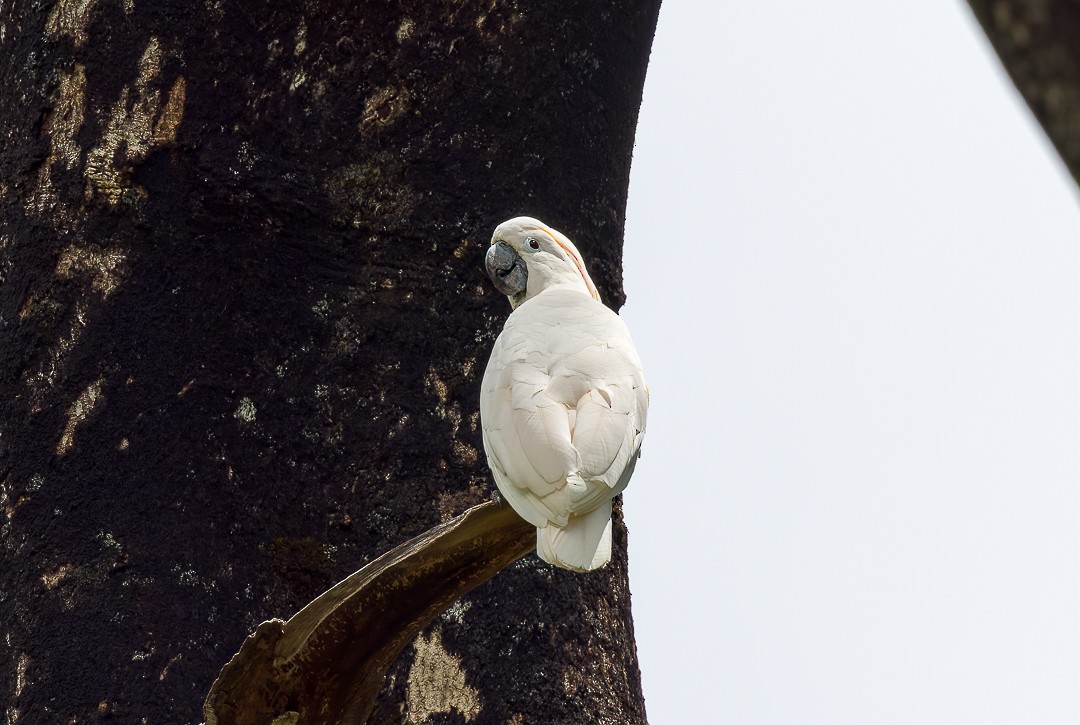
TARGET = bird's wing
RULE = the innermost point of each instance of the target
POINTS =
(603, 377)
(526, 433)
(561, 398)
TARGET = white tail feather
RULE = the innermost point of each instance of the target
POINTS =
(583, 544)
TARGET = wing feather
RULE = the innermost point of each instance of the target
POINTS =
(563, 397)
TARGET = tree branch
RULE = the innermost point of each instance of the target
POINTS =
(1037, 41)
(326, 664)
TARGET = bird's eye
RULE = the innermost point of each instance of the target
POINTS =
(533, 243)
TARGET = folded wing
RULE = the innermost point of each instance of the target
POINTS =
(563, 408)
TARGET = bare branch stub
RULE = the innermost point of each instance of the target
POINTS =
(326, 663)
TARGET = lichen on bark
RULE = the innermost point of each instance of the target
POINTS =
(437, 683)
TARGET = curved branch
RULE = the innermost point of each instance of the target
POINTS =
(1037, 44)
(326, 664)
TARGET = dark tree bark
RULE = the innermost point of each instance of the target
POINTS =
(243, 319)
(1038, 41)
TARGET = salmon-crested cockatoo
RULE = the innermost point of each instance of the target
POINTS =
(563, 401)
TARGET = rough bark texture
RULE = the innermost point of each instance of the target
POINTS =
(1038, 41)
(243, 319)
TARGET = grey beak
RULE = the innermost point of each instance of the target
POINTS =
(506, 269)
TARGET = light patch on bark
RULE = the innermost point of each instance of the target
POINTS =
(246, 410)
(301, 38)
(78, 412)
(438, 385)
(130, 126)
(138, 123)
(468, 365)
(47, 373)
(103, 266)
(444, 409)
(171, 114)
(168, 665)
(61, 126)
(5, 242)
(78, 579)
(463, 248)
(449, 410)
(70, 17)
(455, 613)
(21, 665)
(437, 683)
(496, 31)
(143, 654)
(569, 684)
(51, 578)
(20, 673)
(383, 107)
(465, 453)
(67, 118)
(405, 30)
(399, 426)
(9, 505)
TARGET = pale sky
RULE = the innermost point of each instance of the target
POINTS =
(853, 276)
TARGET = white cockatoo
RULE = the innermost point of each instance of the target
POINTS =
(564, 400)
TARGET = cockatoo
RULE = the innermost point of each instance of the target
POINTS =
(563, 401)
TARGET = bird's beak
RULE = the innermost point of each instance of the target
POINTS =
(507, 270)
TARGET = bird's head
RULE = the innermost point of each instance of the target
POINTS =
(527, 257)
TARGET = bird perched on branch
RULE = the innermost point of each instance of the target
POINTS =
(564, 401)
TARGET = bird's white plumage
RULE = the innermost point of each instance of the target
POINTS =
(563, 402)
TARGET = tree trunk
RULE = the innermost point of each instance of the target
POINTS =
(1038, 41)
(243, 320)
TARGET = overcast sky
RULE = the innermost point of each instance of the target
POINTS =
(852, 269)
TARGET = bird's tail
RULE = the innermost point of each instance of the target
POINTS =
(583, 544)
